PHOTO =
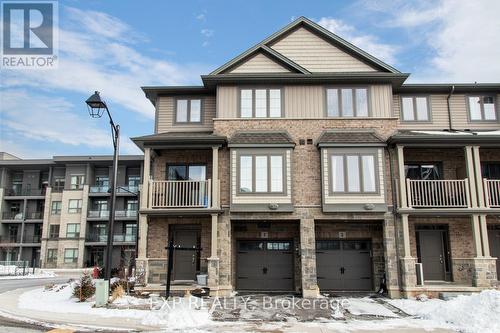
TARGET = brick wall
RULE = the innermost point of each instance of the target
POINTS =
(306, 175)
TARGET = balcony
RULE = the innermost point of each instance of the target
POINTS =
(101, 214)
(57, 188)
(10, 239)
(125, 213)
(118, 238)
(16, 192)
(438, 193)
(32, 239)
(130, 189)
(34, 216)
(99, 189)
(18, 216)
(98, 214)
(180, 194)
(492, 192)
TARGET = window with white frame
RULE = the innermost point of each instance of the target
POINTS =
(347, 102)
(353, 173)
(415, 108)
(75, 206)
(261, 173)
(482, 108)
(73, 230)
(188, 111)
(260, 103)
(70, 256)
(77, 182)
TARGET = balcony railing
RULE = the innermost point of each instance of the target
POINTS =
(34, 215)
(25, 192)
(98, 213)
(10, 239)
(57, 188)
(492, 192)
(105, 213)
(438, 193)
(180, 194)
(32, 239)
(127, 189)
(125, 213)
(99, 189)
(12, 216)
(99, 238)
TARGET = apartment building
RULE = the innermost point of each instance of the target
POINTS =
(306, 164)
(54, 212)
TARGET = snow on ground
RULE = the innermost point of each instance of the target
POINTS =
(14, 273)
(367, 306)
(474, 313)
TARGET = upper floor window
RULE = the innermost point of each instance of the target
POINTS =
(188, 111)
(70, 256)
(354, 173)
(54, 231)
(347, 102)
(260, 103)
(56, 208)
(261, 173)
(73, 230)
(482, 108)
(77, 182)
(415, 108)
(75, 206)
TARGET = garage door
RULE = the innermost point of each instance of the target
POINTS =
(264, 265)
(344, 264)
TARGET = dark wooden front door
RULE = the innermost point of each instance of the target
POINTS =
(186, 263)
(432, 255)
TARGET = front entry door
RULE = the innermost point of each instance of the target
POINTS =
(186, 262)
(494, 240)
(432, 254)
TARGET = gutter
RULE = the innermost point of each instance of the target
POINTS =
(450, 122)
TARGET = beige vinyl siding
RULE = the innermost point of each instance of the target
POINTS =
(259, 63)
(439, 114)
(353, 199)
(305, 102)
(166, 117)
(317, 55)
(258, 199)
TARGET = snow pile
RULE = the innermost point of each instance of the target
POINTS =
(367, 306)
(13, 272)
(475, 313)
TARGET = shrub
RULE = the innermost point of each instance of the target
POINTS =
(84, 288)
(123, 283)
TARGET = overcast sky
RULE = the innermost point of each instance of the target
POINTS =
(118, 46)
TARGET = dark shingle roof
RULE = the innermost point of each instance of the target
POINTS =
(179, 139)
(349, 137)
(261, 138)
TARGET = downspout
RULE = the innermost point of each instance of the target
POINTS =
(449, 108)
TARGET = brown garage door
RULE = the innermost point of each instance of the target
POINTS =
(344, 264)
(264, 265)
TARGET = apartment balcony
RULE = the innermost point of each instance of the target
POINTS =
(34, 216)
(32, 239)
(181, 194)
(128, 190)
(117, 238)
(57, 188)
(9, 240)
(97, 189)
(12, 216)
(492, 192)
(438, 193)
(25, 192)
(119, 214)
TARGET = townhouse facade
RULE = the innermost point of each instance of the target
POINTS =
(54, 212)
(305, 164)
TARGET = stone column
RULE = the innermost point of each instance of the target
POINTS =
(308, 258)
(213, 261)
(224, 252)
(407, 262)
(484, 272)
(391, 257)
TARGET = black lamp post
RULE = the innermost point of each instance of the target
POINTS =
(96, 108)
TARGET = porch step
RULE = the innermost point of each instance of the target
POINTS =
(446, 296)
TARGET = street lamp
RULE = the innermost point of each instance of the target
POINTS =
(96, 107)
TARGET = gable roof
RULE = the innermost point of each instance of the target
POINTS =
(315, 29)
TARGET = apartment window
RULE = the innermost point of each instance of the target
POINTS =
(132, 205)
(354, 173)
(133, 181)
(261, 173)
(77, 182)
(56, 208)
(75, 206)
(260, 103)
(490, 170)
(186, 172)
(52, 256)
(102, 181)
(423, 171)
(54, 231)
(347, 102)
(188, 111)
(415, 108)
(59, 183)
(70, 256)
(100, 205)
(73, 230)
(482, 108)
